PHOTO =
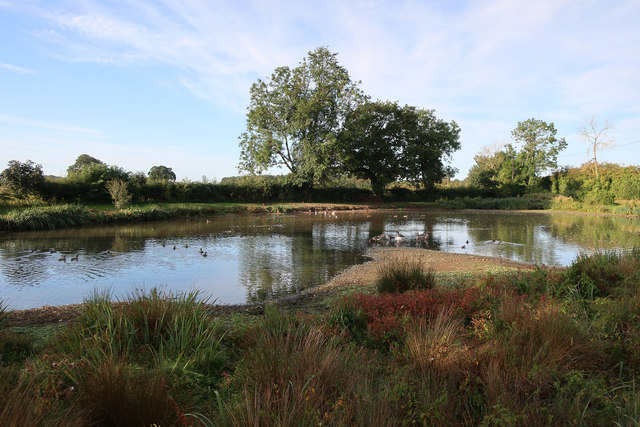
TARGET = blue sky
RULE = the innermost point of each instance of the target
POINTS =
(144, 83)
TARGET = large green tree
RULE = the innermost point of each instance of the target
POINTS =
(539, 148)
(372, 143)
(383, 142)
(430, 142)
(161, 173)
(82, 161)
(22, 178)
(294, 117)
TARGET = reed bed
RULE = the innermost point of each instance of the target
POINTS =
(68, 216)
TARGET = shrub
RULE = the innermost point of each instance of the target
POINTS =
(118, 190)
(388, 315)
(594, 275)
(403, 275)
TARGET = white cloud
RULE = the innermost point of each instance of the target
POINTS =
(21, 121)
(484, 64)
(16, 69)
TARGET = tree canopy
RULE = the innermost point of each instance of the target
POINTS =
(161, 173)
(372, 143)
(82, 161)
(22, 178)
(430, 144)
(294, 117)
(539, 148)
(519, 165)
(383, 142)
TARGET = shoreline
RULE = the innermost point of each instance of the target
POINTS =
(90, 216)
(359, 276)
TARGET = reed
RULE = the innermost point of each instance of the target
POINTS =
(403, 275)
(45, 218)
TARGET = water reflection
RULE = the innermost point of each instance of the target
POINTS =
(253, 258)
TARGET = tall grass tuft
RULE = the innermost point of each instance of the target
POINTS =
(169, 331)
(23, 404)
(115, 393)
(403, 275)
(532, 346)
(4, 311)
(293, 373)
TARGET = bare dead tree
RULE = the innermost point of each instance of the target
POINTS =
(596, 135)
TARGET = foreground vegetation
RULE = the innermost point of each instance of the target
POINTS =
(548, 347)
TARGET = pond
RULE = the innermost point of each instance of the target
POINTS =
(252, 258)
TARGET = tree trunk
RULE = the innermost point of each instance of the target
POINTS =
(377, 187)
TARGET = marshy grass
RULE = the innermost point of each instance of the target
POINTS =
(504, 349)
(404, 275)
(4, 311)
(68, 216)
(45, 218)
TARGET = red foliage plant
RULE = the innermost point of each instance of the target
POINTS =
(386, 314)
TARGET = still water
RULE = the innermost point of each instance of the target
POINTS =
(254, 258)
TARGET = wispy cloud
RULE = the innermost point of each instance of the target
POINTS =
(16, 69)
(21, 121)
(477, 62)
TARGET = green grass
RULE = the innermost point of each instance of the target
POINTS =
(403, 275)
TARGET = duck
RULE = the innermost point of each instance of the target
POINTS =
(467, 242)
(164, 244)
(462, 247)
(75, 258)
(186, 246)
(174, 247)
(63, 258)
(201, 251)
(204, 255)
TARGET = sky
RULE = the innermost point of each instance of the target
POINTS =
(166, 82)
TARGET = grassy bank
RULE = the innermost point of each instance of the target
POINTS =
(66, 216)
(542, 347)
(542, 201)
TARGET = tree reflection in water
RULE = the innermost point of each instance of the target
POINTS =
(255, 258)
